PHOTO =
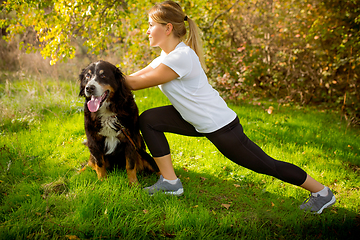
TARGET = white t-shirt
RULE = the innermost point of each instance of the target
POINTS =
(191, 94)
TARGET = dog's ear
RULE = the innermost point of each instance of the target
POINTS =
(82, 86)
(119, 76)
(123, 88)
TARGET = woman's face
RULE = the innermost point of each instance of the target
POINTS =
(157, 33)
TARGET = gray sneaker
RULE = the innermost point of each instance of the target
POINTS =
(317, 204)
(166, 187)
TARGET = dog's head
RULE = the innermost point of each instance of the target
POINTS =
(100, 82)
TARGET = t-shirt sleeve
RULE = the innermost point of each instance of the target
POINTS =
(179, 61)
(156, 62)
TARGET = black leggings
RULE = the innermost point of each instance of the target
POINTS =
(229, 140)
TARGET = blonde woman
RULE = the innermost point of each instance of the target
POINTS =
(198, 110)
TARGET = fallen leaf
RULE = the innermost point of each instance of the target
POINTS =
(72, 237)
(270, 110)
(203, 179)
(145, 211)
(237, 185)
(169, 235)
(225, 205)
(272, 204)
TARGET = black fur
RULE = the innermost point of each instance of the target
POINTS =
(121, 109)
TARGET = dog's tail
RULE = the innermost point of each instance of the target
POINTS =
(148, 159)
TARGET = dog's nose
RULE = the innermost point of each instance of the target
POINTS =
(90, 88)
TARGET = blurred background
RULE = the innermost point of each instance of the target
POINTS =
(303, 52)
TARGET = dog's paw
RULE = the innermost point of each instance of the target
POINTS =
(134, 183)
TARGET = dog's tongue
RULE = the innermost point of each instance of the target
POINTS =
(94, 103)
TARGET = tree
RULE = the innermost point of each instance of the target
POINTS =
(58, 24)
(292, 50)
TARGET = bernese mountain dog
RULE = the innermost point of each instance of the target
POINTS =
(111, 122)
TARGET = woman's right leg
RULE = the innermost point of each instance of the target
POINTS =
(153, 123)
(165, 166)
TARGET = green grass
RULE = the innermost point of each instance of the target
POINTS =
(43, 197)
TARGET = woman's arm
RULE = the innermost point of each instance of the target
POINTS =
(148, 78)
(142, 71)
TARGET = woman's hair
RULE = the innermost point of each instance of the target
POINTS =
(171, 12)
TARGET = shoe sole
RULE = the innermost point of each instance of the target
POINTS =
(178, 193)
(331, 202)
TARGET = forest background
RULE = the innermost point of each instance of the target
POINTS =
(293, 51)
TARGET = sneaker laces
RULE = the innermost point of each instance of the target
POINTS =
(157, 183)
(310, 201)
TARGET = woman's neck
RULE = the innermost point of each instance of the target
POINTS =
(170, 44)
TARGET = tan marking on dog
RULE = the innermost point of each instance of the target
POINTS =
(100, 171)
(131, 173)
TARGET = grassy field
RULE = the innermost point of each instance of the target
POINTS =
(42, 196)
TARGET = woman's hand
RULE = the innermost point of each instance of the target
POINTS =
(149, 77)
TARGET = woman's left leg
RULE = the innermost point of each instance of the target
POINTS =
(312, 185)
(235, 145)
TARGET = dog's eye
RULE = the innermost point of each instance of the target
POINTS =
(101, 74)
(87, 76)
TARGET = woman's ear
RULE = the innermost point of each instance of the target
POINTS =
(169, 28)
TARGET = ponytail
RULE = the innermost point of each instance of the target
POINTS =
(194, 41)
(171, 12)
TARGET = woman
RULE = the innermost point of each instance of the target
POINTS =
(198, 110)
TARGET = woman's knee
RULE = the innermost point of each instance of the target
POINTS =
(145, 118)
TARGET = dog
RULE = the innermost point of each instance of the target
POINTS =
(111, 122)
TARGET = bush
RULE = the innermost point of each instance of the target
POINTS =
(289, 50)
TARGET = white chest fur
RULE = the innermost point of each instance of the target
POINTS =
(109, 123)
